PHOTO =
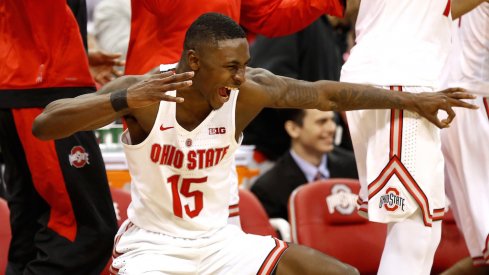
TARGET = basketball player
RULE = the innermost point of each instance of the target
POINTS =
(180, 156)
(464, 144)
(401, 46)
(152, 21)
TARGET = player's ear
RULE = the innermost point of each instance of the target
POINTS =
(193, 60)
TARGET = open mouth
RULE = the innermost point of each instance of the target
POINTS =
(224, 93)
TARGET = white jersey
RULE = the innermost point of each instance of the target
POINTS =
(181, 179)
(469, 60)
(399, 42)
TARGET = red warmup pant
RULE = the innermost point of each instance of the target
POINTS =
(62, 216)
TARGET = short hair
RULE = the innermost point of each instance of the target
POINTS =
(294, 115)
(297, 116)
(210, 28)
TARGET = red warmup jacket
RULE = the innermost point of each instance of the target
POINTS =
(41, 54)
(158, 26)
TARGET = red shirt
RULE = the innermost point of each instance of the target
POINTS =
(40, 47)
(158, 26)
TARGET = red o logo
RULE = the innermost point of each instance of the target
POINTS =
(387, 192)
(78, 157)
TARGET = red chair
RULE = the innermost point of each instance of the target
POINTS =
(121, 199)
(4, 235)
(323, 215)
(452, 247)
(253, 217)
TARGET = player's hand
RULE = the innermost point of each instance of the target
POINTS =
(103, 66)
(428, 104)
(154, 87)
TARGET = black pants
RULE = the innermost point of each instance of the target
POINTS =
(61, 212)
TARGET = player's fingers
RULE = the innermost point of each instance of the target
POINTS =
(460, 95)
(454, 90)
(463, 104)
(451, 116)
(177, 77)
(170, 98)
(161, 75)
(176, 85)
(164, 74)
(434, 119)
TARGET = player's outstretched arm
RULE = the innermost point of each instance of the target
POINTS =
(461, 7)
(282, 92)
(64, 117)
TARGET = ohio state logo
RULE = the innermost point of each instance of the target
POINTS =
(391, 200)
(188, 142)
(78, 157)
(341, 200)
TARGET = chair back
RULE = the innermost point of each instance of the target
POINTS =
(121, 199)
(323, 215)
(253, 217)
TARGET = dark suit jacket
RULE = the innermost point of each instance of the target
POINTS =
(310, 54)
(275, 186)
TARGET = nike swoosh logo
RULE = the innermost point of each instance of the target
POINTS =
(165, 128)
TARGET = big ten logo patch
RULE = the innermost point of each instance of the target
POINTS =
(217, 131)
(341, 200)
(78, 157)
(392, 200)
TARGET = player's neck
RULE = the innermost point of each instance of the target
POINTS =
(191, 113)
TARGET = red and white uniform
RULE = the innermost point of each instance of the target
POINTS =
(177, 220)
(180, 179)
(403, 42)
(401, 45)
(465, 143)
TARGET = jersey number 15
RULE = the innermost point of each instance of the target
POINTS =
(185, 191)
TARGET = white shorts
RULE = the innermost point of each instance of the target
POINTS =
(466, 150)
(400, 163)
(228, 251)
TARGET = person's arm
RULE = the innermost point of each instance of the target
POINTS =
(64, 117)
(282, 17)
(268, 90)
(461, 7)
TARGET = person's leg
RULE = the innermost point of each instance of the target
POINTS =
(231, 251)
(81, 219)
(467, 171)
(299, 259)
(431, 250)
(410, 246)
(466, 267)
(25, 204)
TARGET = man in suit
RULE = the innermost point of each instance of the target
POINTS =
(312, 156)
